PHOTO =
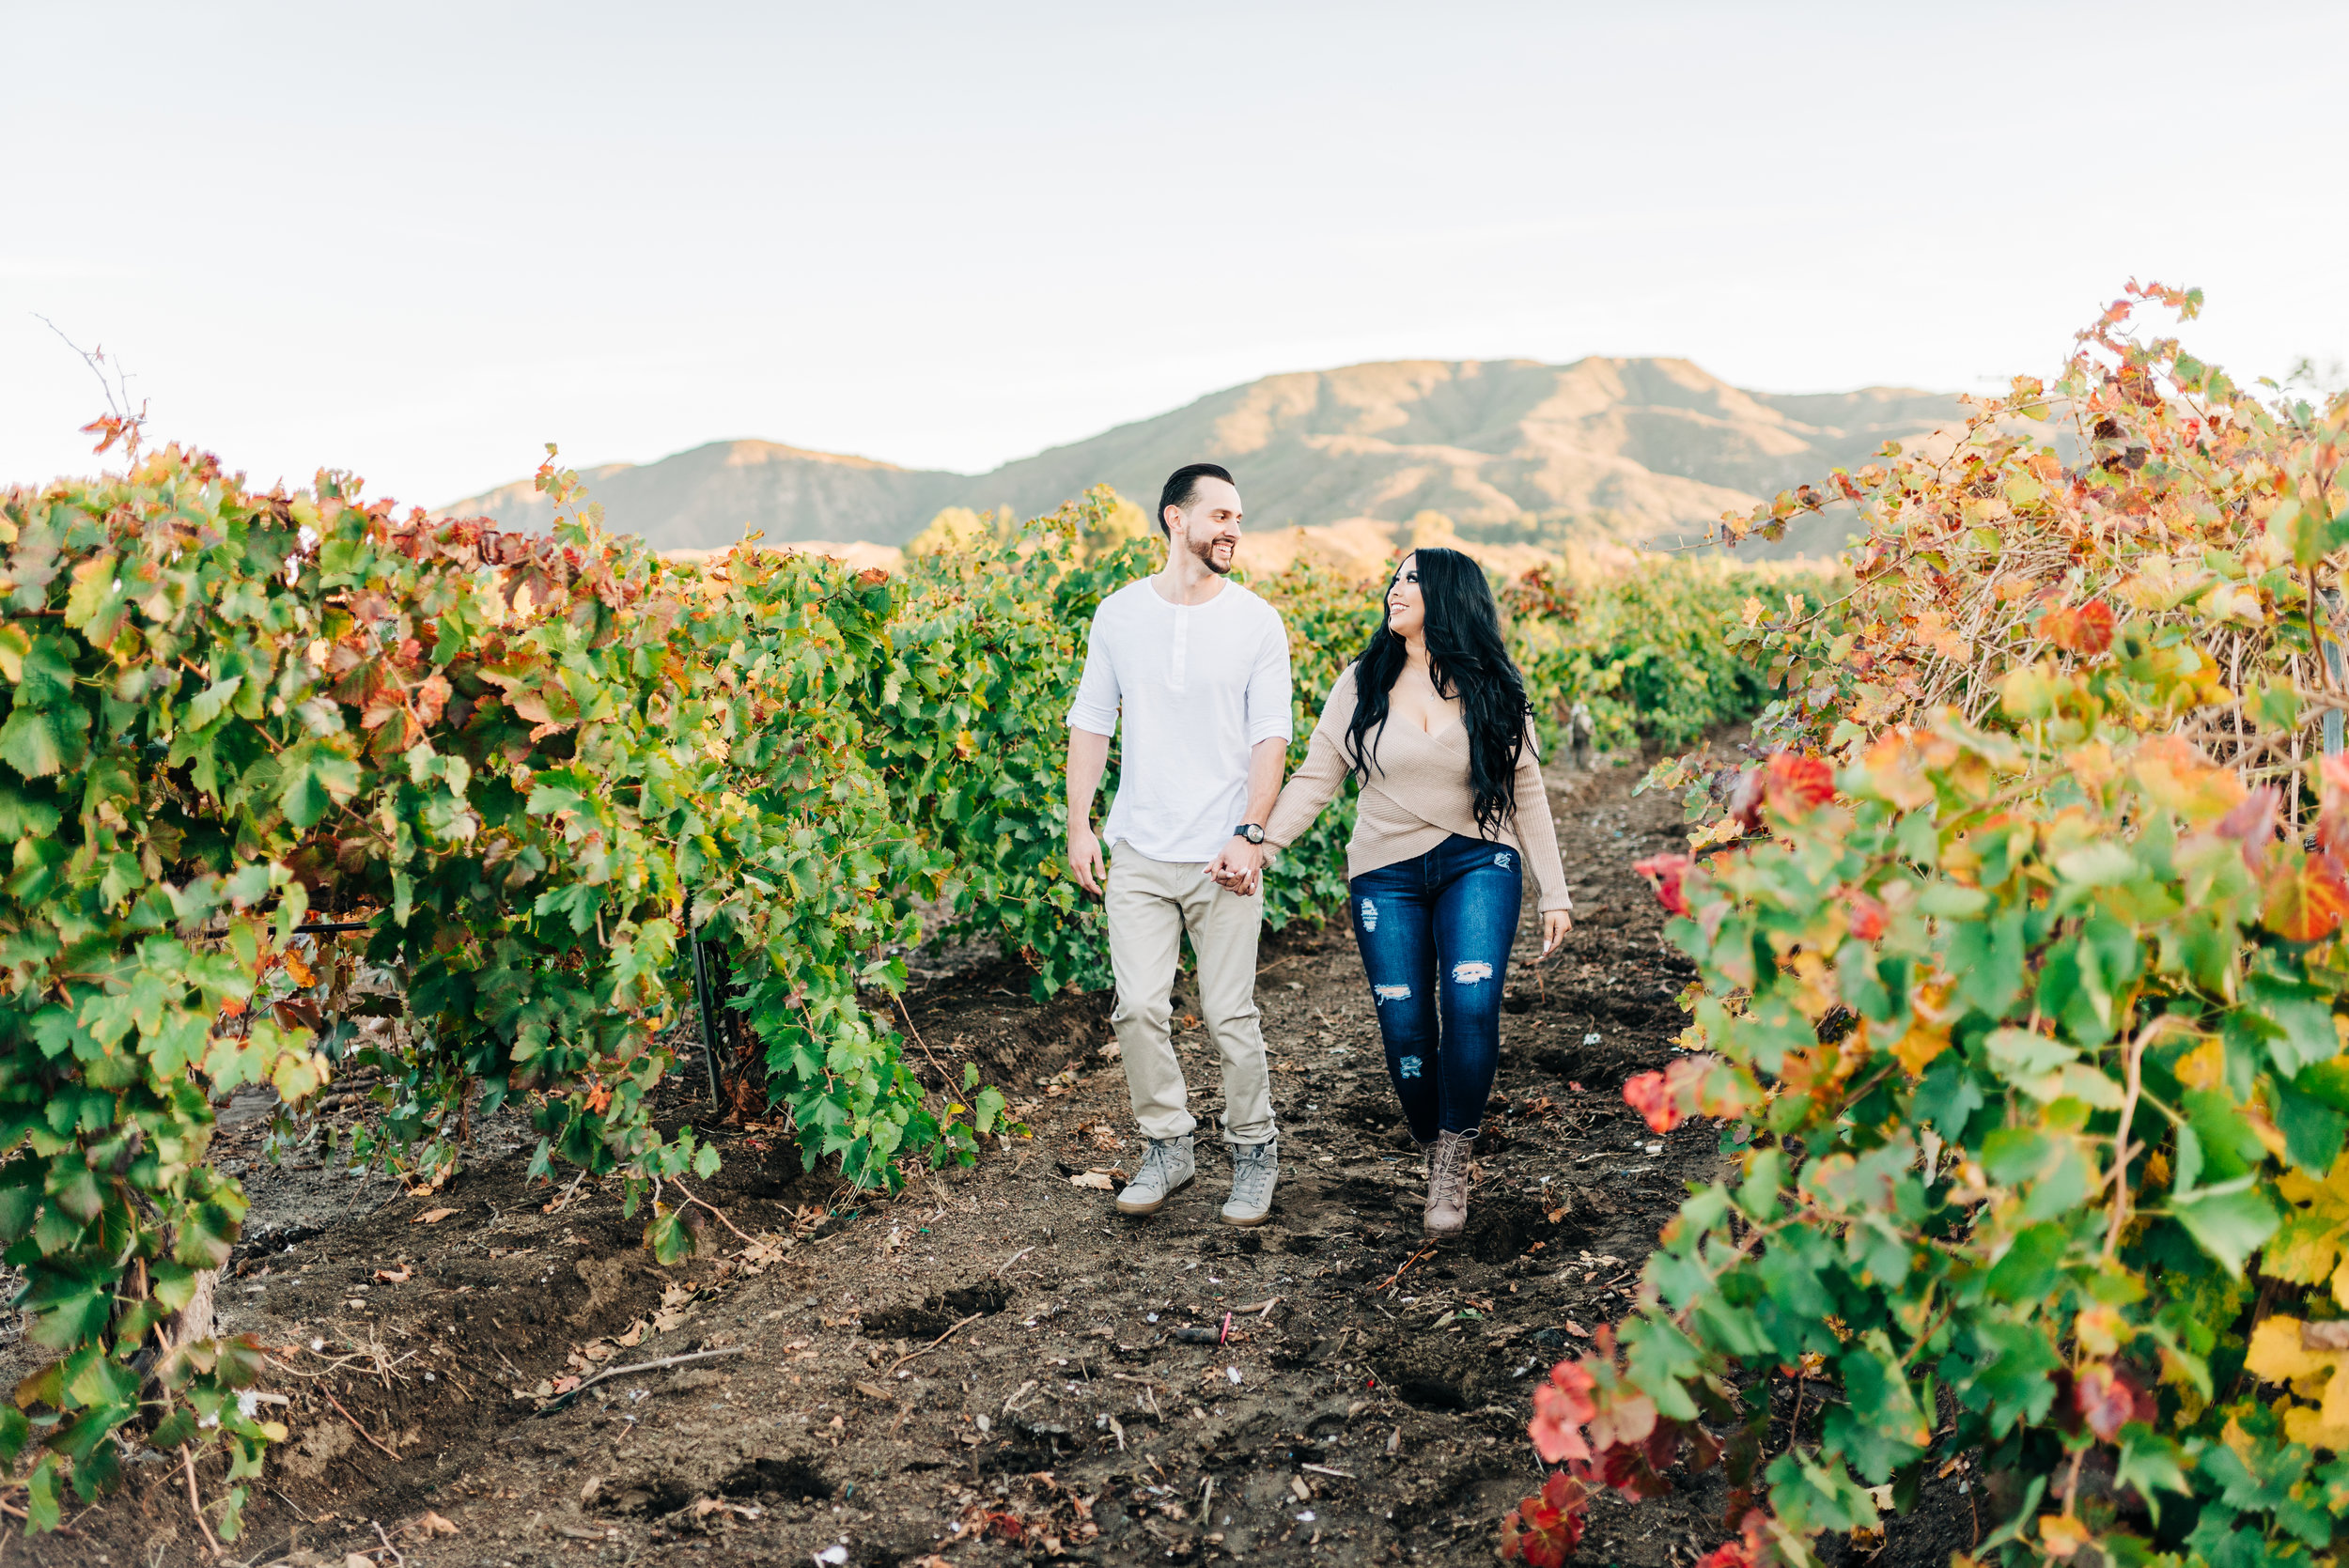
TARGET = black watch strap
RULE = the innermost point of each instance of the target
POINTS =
(1249, 831)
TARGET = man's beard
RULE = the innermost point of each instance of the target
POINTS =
(1205, 550)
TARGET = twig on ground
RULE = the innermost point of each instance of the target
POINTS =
(1013, 1259)
(1389, 1282)
(564, 1201)
(399, 1562)
(356, 1427)
(195, 1503)
(934, 1343)
(561, 1400)
(712, 1209)
(946, 1076)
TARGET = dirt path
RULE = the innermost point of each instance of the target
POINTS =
(994, 1367)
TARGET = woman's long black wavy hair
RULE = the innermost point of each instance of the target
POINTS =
(1468, 659)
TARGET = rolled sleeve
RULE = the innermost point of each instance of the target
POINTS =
(1094, 710)
(1270, 716)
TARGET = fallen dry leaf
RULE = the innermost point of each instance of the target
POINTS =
(1577, 1329)
(432, 1525)
(633, 1337)
(587, 1493)
(872, 1391)
(391, 1276)
(1098, 1180)
(431, 1217)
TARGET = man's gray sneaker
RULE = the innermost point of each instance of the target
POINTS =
(1167, 1168)
(1255, 1170)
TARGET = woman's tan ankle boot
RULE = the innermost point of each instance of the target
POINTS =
(1447, 1185)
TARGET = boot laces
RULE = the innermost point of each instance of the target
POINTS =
(1448, 1172)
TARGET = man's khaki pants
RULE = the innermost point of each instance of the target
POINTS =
(1150, 905)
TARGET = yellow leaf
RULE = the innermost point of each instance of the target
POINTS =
(2239, 1442)
(2100, 1329)
(2202, 1066)
(2062, 1534)
(1917, 1048)
(2266, 1131)
(2303, 1425)
(2176, 775)
(2276, 1356)
(2301, 1253)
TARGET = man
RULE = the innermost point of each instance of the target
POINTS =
(1198, 669)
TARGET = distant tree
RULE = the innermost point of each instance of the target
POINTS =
(1124, 522)
(1430, 528)
(959, 528)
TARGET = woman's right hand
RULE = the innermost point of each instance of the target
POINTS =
(1555, 925)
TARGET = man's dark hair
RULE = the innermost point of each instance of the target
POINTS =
(1182, 487)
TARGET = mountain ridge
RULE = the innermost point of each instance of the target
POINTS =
(1644, 450)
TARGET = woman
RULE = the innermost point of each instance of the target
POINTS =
(1432, 720)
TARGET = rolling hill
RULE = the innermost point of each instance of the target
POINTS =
(1642, 450)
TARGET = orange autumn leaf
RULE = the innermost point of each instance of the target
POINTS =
(1798, 784)
(2306, 899)
(2085, 629)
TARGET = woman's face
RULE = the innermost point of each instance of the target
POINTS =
(1406, 617)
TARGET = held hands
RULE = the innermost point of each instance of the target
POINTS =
(1084, 858)
(1239, 868)
(1555, 925)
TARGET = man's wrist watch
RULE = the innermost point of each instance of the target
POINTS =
(1249, 831)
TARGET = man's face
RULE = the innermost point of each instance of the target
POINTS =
(1209, 526)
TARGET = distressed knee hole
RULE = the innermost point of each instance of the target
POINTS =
(1407, 1066)
(1471, 973)
(1370, 915)
(1392, 993)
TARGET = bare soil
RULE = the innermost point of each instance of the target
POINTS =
(993, 1367)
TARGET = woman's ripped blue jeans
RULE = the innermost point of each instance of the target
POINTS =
(1435, 932)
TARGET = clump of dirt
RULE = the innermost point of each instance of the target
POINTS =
(993, 1367)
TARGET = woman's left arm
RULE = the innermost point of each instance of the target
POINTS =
(1537, 837)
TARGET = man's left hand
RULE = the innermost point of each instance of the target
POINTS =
(1239, 868)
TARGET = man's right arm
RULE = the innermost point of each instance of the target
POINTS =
(1088, 755)
(1092, 720)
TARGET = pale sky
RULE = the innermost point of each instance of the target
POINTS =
(418, 241)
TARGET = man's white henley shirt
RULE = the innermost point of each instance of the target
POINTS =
(1197, 686)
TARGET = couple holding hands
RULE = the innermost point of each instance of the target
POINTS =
(1431, 719)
